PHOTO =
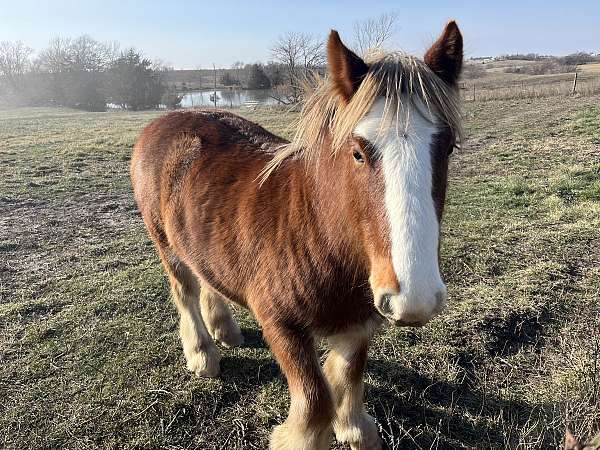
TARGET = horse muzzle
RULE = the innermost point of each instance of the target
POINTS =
(410, 309)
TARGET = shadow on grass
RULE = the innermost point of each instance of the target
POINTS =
(413, 411)
(253, 338)
(216, 418)
(421, 412)
(249, 373)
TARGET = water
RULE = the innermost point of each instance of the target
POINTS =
(227, 98)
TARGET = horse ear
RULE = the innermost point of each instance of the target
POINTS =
(445, 56)
(346, 69)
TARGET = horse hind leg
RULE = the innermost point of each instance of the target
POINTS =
(218, 318)
(200, 351)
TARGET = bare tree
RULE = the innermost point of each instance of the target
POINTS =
(286, 51)
(238, 67)
(14, 62)
(298, 53)
(374, 33)
(89, 55)
(76, 70)
(81, 54)
(312, 52)
(58, 56)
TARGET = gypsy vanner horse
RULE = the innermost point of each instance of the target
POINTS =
(327, 236)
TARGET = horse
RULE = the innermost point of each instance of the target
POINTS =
(324, 238)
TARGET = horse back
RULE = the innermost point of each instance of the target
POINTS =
(173, 144)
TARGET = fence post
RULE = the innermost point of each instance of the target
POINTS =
(574, 82)
(473, 91)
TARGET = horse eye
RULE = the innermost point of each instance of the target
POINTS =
(358, 157)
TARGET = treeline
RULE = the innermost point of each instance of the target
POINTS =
(542, 67)
(545, 64)
(253, 76)
(573, 59)
(91, 75)
(82, 73)
(87, 74)
(536, 64)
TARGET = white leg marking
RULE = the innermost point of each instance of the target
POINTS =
(201, 353)
(351, 424)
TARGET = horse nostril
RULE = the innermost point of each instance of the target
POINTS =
(385, 304)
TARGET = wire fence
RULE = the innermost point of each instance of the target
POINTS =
(480, 90)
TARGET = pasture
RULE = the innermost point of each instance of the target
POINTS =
(496, 83)
(89, 350)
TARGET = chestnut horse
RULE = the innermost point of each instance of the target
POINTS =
(322, 237)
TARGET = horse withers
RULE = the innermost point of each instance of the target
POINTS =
(326, 236)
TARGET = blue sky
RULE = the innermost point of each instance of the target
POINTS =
(190, 34)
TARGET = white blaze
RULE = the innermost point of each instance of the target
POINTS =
(413, 223)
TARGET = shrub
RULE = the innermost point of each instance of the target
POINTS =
(171, 98)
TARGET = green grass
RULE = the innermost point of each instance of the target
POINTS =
(587, 123)
(89, 352)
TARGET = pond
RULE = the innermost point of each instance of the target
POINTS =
(227, 98)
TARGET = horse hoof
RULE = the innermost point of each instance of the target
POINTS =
(204, 363)
(362, 435)
(284, 437)
(374, 445)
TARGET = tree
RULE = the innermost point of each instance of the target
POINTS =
(58, 56)
(238, 67)
(171, 98)
(228, 80)
(275, 73)
(76, 69)
(257, 78)
(14, 62)
(298, 54)
(133, 82)
(89, 55)
(86, 91)
(298, 51)
(374, 33)
(575, 59)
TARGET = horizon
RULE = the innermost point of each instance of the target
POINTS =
(187, 35)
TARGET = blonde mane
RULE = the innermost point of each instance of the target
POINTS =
(398, 78)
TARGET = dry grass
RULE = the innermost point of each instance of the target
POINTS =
(497, 85)
(590, 68)
(89, 353)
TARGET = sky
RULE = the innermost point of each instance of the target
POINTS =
(194, 34)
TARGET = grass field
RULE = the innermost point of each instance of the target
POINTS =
(496, 84)
(89, 350)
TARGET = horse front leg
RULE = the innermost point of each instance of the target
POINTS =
(344, 369)
(308, 425)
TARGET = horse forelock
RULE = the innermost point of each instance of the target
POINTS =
(326, 123)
